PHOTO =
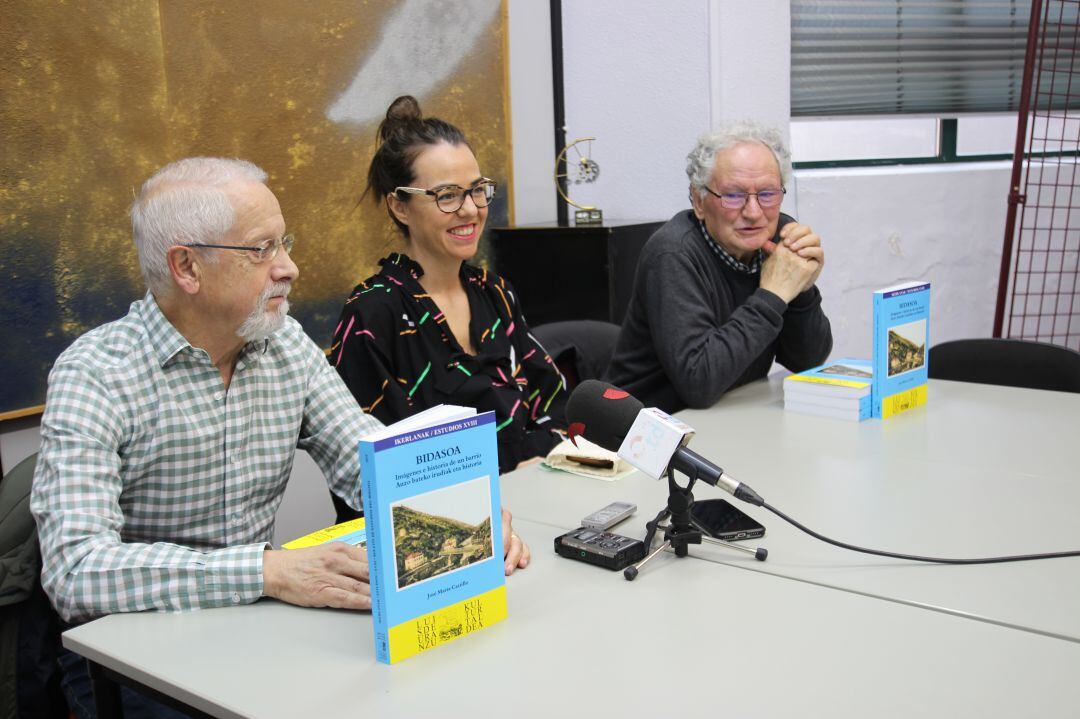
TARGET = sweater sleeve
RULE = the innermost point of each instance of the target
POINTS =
(701, 356)
(806, 339)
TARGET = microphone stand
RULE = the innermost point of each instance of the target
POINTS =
(682, 530)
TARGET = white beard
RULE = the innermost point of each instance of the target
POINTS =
(262, 323)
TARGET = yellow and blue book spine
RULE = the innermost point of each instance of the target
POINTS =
(433, 513)
(901, 337)
(838, 387)
(351, 532)
(845, 377)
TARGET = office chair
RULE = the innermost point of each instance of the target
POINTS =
(29, 627)
(581, 349)
(1008, 362)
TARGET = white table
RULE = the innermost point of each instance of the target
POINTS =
(814, 631)
(979, 471)
(696, 638)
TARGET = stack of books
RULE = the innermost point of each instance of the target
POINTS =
(839, 388)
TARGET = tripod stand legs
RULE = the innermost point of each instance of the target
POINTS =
(760, 553)
(632, 571)
(682, 530)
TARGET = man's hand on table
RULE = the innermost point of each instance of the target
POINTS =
(327, 575)
(517, 552)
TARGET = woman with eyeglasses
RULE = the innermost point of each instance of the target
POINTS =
(429, 327)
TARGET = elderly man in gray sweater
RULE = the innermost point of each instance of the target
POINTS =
(727, 287)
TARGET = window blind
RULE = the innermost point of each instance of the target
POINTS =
(870, 57)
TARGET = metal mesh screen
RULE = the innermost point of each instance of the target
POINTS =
(1037, 296)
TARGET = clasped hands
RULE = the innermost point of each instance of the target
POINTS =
(793, 264)
(336, 574)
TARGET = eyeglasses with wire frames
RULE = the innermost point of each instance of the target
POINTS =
(264, 251)
(451, 198)
(738, 200)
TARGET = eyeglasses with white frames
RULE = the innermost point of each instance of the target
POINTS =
(451, 198)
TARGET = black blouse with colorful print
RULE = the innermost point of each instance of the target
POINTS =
(397, 355)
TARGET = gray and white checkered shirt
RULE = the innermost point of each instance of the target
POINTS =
(155, 487)
(751, 268)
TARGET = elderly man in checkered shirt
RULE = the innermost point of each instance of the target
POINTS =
(168, 435)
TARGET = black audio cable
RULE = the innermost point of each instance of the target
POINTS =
(915, 557)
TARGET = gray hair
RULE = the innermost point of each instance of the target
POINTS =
(702, 159)
(184, 203)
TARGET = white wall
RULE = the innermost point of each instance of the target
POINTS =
(743, 61)
(647, 78)
(306, 506)
(637, 79)
(532, 117)
(881, 226)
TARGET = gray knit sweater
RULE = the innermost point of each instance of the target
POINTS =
(696, 328)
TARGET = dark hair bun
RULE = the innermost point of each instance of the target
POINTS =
(403, 135)
(402, 113)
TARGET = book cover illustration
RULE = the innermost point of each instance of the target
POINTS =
(431, 501)
(901, 336)
(441, 531)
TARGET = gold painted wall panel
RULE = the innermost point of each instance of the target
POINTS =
(95, 96)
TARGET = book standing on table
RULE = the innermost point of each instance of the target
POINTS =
(901, 336)
(430, 486)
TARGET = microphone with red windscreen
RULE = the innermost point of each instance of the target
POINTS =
(605, 414)
(601, 413)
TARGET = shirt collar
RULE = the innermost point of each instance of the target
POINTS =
(166, 341)
(404, 268)
(751, 268)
